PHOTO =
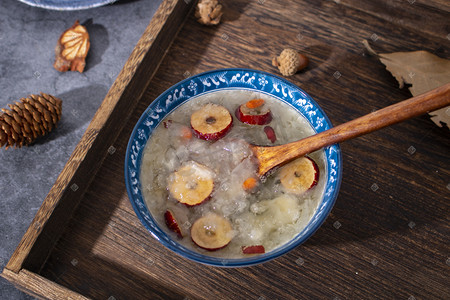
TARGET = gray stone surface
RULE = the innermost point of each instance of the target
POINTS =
(28, 36)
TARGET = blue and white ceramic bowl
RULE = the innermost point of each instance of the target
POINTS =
(229, 79)
(67, 4)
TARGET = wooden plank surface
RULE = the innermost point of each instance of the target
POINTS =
(386, 237)
(95, 144)
(33, 284)
(102, 131)
(410, 13)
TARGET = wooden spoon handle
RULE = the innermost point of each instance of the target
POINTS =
(270, 157)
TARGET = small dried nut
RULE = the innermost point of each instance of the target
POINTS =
(290, 62)
(72, 49)
(208, 12)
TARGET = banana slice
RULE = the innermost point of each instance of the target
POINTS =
(211, 122)
(300, 175)
(212, 232)
(192, 184)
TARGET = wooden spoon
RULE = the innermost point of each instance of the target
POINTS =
(270, 157)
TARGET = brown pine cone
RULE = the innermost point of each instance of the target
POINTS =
(29, 119)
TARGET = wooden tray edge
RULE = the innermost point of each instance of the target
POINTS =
(63, 198)
(39, 287)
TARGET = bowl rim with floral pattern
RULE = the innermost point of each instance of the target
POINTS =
(212, 81)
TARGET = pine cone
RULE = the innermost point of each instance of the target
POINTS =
(28, 119)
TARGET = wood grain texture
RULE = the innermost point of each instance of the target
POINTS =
(386, 237)
(270, 157)
(410, 14)
(104, 128)
(30, 282)
(100, 135)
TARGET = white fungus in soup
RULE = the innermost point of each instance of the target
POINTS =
(268, 215)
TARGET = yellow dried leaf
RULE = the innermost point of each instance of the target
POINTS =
(423, 71)
(72, 49)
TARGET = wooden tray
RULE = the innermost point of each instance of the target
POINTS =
(386, 236)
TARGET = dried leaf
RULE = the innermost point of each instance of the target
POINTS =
(72, 49)
(423, 70)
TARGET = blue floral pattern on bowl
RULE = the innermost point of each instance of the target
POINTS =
(229, 79)
(67, 4)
